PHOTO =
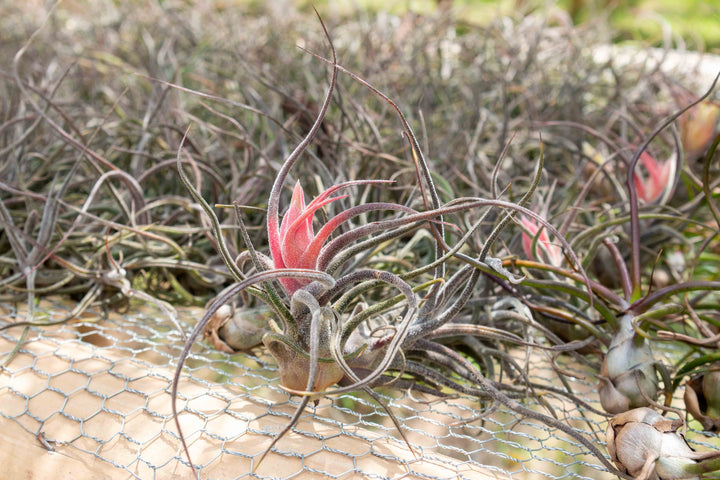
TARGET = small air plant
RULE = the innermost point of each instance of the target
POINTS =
(31, 254)
(328, 333)
(649, 446)
(702, 399)
(657, 185)
(232, 329)
(627, 377)
(698, 128)
(536, 242)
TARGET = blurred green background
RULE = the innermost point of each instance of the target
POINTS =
(691, 24)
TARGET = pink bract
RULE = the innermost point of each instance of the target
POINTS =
(650, 189)
(554, 253)
(296, 245)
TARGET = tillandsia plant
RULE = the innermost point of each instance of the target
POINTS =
(649, 446)
(702, 398)
(629, 372)
(698, 127)
(330, 331)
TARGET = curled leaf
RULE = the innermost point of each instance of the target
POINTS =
(496, 264)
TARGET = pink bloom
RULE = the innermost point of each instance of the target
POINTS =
(650, 189)
(552, 251)
(296, 245)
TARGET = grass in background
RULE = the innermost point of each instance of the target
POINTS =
(693, 23)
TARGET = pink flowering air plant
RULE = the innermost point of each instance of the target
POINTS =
(338, 325)
(652, 188)
(552, 251)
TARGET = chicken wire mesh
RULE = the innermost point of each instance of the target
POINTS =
(92, 397)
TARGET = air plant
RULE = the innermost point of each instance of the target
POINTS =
(306, 343)
(702, 399)
(328, 328)
(627, 377)
(698, 128)
(657, 184)
(31, 252)
(232, 329)
(649, 446)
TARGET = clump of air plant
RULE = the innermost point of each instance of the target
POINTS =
(327, 328)
(70, 201)
(649, 446)
(702, 399)
(628, 375)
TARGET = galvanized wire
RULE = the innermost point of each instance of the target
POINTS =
(96, 390)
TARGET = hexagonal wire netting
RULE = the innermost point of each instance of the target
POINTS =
(92, 396)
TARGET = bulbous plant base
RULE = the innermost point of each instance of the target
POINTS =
(295, 366)
(702, 399)
(232, 330)
(626, 391)
(628, 378)
(649, 446)
(641, 442)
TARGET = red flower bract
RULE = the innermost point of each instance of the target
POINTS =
(553, 251)
(651, 189)
(295, 244)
